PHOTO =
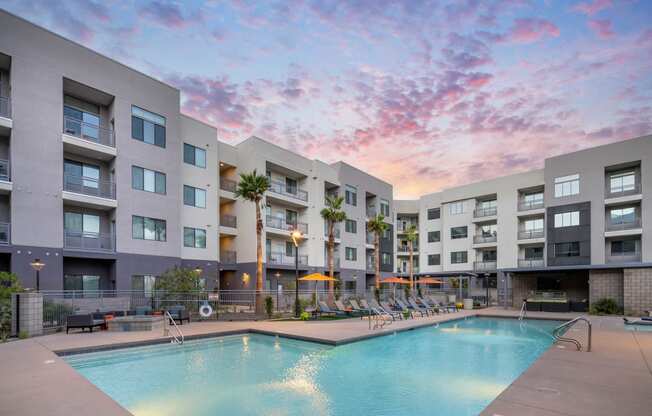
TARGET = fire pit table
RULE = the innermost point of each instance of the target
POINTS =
(136, 323)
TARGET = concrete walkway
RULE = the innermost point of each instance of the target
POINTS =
(561, 382)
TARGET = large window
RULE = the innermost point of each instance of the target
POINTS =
(81, 119)
(459, 232)
(82, 282)
(351, 195)
(384, 207)
(533, 225)
(351, 253)
(533, 253)
(434, 259)
(623, 248)
(291, 186)
(193, 155)
(488, 230)
(567, 219)
(456, 208)
(533, 199)
(351, 226)
(458, 257)
(144, 228)
(194, 237)
(143, 283)
(87, 225)
(567, 185)
(385, 258)
(147, 180)
(80, 175)
(434, 236)
(434, 213)
(567, 249)
(147, 127)
(194, 197)
(623, 215)
(622, 182)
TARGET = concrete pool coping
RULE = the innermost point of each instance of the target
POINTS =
(42, 382)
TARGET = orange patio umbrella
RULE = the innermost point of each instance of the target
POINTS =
(395, 279)
(317, 277)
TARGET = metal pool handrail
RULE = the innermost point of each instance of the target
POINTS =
(523, 313)
(558, 337)
(176, 338)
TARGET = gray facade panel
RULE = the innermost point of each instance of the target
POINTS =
(580, 233)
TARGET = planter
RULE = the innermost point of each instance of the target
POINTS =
(468, 304)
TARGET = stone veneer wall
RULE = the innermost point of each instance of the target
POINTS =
(522, 285)
(606, 284)
(637, 291)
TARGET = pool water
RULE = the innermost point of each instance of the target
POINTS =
(457, 368)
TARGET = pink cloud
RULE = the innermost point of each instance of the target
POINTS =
(530, 30)
(167, 14)
(593, 7)
(602, 28)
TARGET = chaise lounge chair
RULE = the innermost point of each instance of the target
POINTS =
(349, 311)
(361, 311)
(82, 321)
(385, 307)
(324, 309)
(431, 306)
(417, 308)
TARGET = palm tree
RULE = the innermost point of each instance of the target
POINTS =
(252, 187)
(377, 225)
(411, 237)
(332, 214)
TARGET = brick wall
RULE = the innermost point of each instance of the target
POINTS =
(637, 291)
(606, 284)
(522, 285)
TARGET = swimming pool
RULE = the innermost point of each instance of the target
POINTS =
(456, 368)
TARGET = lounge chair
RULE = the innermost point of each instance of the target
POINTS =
(417, 308)
(642, 321)
(179, 314)
(82, 321)
(401, 305)
(324, 309)
(340, 307)
(431, 306)
(448, 308)
(391, 312)
(385, 306)
(358, 309)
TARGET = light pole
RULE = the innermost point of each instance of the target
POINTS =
(296, 239)
(278, 276)
(486, 282)
(37, 265)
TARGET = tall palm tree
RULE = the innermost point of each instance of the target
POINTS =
(332, 214)
(252, 187)
(411, 237)
(378, 226)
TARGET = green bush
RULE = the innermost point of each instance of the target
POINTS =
(406, 314)
(8, 285)
(606, 306)
(23, 335)
(304, 316)
(269, 306)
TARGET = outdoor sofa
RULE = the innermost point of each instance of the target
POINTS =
(83, 321)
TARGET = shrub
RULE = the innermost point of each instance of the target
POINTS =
(304, 316)
(269, 306)
(606, 306)
(23, 335)
(8, 285)
(406, 314)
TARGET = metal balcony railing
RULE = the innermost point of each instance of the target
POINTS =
(89, 186)
(290, 191)
(406, 270)
(623, 190)
(5, 233)
(401, 228)
(281, 224)
(228, 220)
(406, 249)
(370, 238)
(284, 260)
(5, 170)
(528, 205)
(228, 257)
(482, 266)
(530, 234)
(336, 232)
(371, 212)
(5, 107)
(623, 225)
(87, 131)
(76, 240)
(531, 263)
(626, 257)
(485, 238)
(485, 212)
(228, 184)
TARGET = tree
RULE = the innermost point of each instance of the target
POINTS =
(378, 226)
(9, 284)
(411, 237)
(252, 188)
(179, 280)
(332, 214)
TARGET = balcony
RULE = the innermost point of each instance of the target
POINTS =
(371, 212)
(292, 192)
(75, 240)
(281, 224)
(531, 234)
(485, 238)
(228, 221)
(401, 228)
(228, 257)
(621, 191)
(5, 170)
(89, 187)
(530, 205)
(280, 259)
(624, 225)
(87, 139)
(5, 113)
(531, 263)
(625, 257)
(228, 185)
(484, 266)
(485, 212)
(406, 249)
(369, 239)
(5, 233)
(370, 264)
(336, 232)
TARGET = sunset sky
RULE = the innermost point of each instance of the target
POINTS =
(424, 94)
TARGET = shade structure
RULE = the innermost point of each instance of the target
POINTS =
(428, 281)
(395, 280)
(317, 277)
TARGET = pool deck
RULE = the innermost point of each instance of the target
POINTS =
(614, 378)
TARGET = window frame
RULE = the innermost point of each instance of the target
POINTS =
(195, 150)
(431, 257)
(454, 255)
(456, 208)
(142, 116)
(459, 237)
(353, 229)
(353, 251)
(157, 175)
(351, 195)
(567, 219)
(433, 214)
(566, 186)
(194, 197)
(569, 252)
(194, 237)
(432, 233)
(159, 225)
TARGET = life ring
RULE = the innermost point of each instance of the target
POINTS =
(205, 310)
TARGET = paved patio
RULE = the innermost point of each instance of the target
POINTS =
(614, 378)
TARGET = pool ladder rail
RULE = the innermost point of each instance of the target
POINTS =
(179, 338)
(556, 333)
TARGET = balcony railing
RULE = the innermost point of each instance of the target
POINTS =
(89, 186)
(531, 263)
(624, 225)
(228, 257)
(370, 238)
(5, 107)
(485, 212)
(528, 205)
(291, 191)
(530, 234)
(624, 190)
(281, 224)
(401, 228)
(76, 240)
(228, 220)
(5, 233)
(401, 270)
(336, 260)
(482, 266)
(87, 131)
(228, 184)
(371, 264)
(336, 232)
(284, 260)
(406, 249)
(5, 170)
(634, 257)
(482, 238)
(371, 212)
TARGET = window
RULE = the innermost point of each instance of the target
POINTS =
(623, 215)
(350, 285)
(567, 185)
(144, 228)
(489, 255)
(533, 253)
(487, 205)
(291, 186)
(80, 176)
(567, 249)
(351, 195)
(456, 208)
(386, 234)
(351, 226)
(85, 283)
(533, 225)
(351, 253)
(289, 248)
(434, 236)
(144, 284)
(459, 232)
(533, 199)
(623, 248)
(194, 237)
(488, 230)
(193, 155)
(81, 119)
(567, 219)
(194, 197)
(622, 182)
(458, 257)
(385, 258)
(384, 207)
(434, 213)
(147, 180)
(87, 225)
(434, 259)
(147, 127)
